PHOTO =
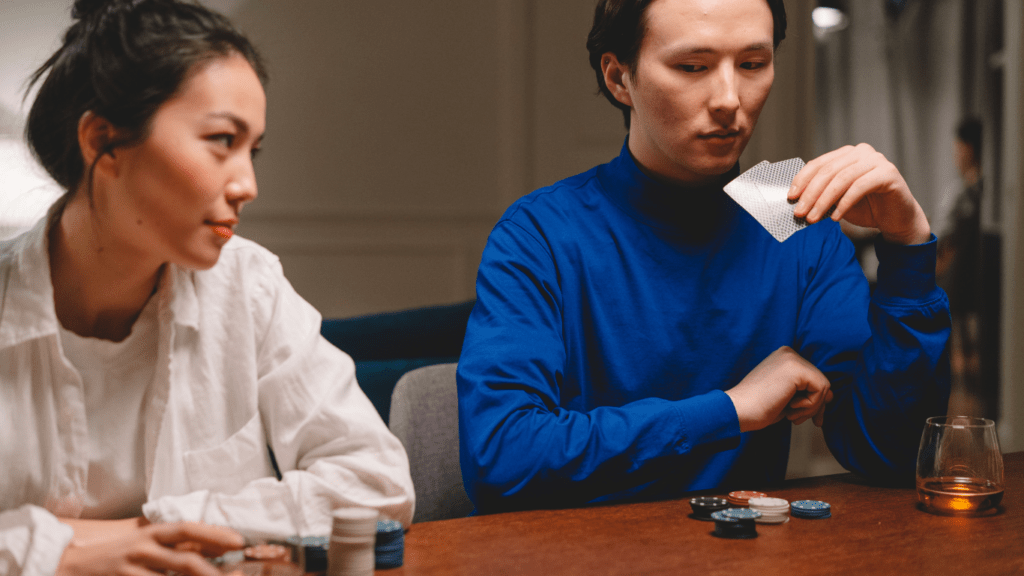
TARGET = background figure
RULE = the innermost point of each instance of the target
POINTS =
(959, 273)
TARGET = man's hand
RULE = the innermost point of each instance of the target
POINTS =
(783, 385)
(866, 190)
(151, 549)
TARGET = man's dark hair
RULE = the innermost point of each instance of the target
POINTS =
(121, 60)
(968, 131)
(619, 27)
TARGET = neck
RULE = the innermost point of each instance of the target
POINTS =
(100, 285)
(971, 176)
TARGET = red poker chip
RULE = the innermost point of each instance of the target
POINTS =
(742, 497)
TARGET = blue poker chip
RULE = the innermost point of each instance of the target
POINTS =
(735, 523)
(390, 546)
(810, 509)
(740, 513)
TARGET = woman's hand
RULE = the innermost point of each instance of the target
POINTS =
(866, 190)
(127, 547)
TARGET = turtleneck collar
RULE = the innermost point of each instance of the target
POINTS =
(696, 211)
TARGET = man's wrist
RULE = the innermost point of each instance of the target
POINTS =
(921, 234)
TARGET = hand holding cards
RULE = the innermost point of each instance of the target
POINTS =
(762, 191)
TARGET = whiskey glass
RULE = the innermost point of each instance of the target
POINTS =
(959, 467)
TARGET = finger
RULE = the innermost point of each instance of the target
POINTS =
(876, 179)
(819, 185)
(136, 570)
(841, 186)
(819, 418)
(801, 420)
(165, 559)
(810, 170)
(207, 535)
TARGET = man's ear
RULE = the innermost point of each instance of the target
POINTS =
(95, 136)
(617, 78)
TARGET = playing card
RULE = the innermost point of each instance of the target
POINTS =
(762, 191)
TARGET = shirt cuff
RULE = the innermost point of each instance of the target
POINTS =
(906, 272)
(708, 418)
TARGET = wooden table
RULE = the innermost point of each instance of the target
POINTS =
(872, 531)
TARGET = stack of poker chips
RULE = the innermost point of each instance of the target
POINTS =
(704, 506)
(312, 551)
(810, 509)
(773, 510)
(735, 523)
(740, 498)
(390, 544)
(351, 549)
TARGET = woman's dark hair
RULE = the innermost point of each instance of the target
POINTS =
(121, 60)
(968, 131)
(619, 27)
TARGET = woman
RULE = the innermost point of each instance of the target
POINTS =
(148, 358)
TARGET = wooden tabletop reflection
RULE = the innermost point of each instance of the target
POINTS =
(873, 530)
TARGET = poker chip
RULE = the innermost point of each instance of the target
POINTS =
(703, 506)
(773, 510)
(735, 523)
(313, 551)
(390, 545)
(740, 498)
(810, 509)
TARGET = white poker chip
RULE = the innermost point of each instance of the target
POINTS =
(773, 519)
(769, 502)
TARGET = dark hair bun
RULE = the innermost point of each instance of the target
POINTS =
(85, 8)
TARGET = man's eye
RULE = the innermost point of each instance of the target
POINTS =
(752, 65)
(692, 67)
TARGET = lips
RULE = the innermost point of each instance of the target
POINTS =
(223, 228)
(720, 135)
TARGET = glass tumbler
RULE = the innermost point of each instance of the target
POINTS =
(959, 466)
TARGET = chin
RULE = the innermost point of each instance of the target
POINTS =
(204, 261)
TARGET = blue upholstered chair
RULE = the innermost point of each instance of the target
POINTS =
(386, 346)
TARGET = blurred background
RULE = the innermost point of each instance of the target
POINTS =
(399, 131)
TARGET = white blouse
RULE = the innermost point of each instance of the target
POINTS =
(240, 365)
(115, 377)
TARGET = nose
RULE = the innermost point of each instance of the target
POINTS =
(725, 97)
(241, 189)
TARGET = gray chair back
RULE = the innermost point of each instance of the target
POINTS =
(425, 417)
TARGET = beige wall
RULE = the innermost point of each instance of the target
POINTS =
(1011, 424)
(398, 132)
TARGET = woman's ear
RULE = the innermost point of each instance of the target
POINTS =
(616, 78)
(95, 137)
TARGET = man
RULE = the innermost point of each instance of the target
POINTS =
(638, 335)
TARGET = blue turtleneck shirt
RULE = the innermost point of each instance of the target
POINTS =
(613, 311)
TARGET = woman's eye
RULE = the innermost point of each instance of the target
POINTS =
(225, 139)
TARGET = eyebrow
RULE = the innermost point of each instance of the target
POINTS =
(685, 50)
(240, 125)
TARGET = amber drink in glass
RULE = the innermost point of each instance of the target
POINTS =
(959, 466)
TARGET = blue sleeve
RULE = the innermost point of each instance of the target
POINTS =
(889, 368)
(518, 447)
